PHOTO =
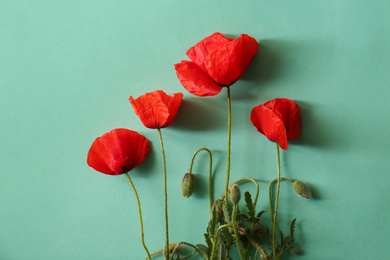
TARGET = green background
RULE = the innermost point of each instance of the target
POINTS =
(67, 69)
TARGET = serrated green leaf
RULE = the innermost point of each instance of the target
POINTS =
(260, 213)
(208, 240)
(249, 204)
(292, 228)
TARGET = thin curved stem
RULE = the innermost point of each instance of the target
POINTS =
(235, 231)
(257, 187)
(274, 245)
(215, 238)
(140, 216)
(229, 142)
(247, 179)
(210, 170)
(165, 196)
(270, 195)
(185, 243)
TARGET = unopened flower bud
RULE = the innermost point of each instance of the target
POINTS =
(241, 230)
(234, 194)
(188, 185)
(294, 250)
(172, 247)
(218, 207)
(302, 189)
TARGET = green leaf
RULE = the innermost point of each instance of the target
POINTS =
(292, 228)
(260, 213)
(203, 251)
(249, 204)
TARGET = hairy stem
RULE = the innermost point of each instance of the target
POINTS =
(235, 231)
(165, 196)
(215, 239)
(210, 170)
(140, 216)
(274, 244)
(229, 142)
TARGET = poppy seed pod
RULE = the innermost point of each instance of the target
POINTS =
(234, 194)
(188, 185)
(302, 189)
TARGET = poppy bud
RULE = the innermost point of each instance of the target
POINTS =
(234, 194)
(241, 230)
(188, 185)
(294, 250)
(172, 247)
(302, 189)
(218, 207)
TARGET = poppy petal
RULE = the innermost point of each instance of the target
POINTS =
(151, 109)
(199, 52)
(195, 80)
(290, 113)
(118, 151)
(270, 124)
(227, 63)
(173, 107)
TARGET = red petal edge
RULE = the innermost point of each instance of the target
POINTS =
(199, 52)
(290, 113)
(151, 108)
(269, 124)
(195, 80)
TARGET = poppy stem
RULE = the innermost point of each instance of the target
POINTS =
(140, 215)
(210, 171)
(165, 196)
(273, 218)
(257, 188)
(229, 143)
(235, 230)
(215, 239)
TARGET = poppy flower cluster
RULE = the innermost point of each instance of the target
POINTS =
(279, 120)
(216, 61)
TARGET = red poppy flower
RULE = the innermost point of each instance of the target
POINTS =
(216, 61)
(118, 151)
(279, 120)
(156, 109)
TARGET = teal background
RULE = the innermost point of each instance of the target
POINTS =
(67, 69)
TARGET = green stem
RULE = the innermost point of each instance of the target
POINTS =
(210, 170)
(215, 239)
(140, 216)
(185, 243)
(274, 244)
(257, 187)
(229, 142)
(165, 196)
(235, 230)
